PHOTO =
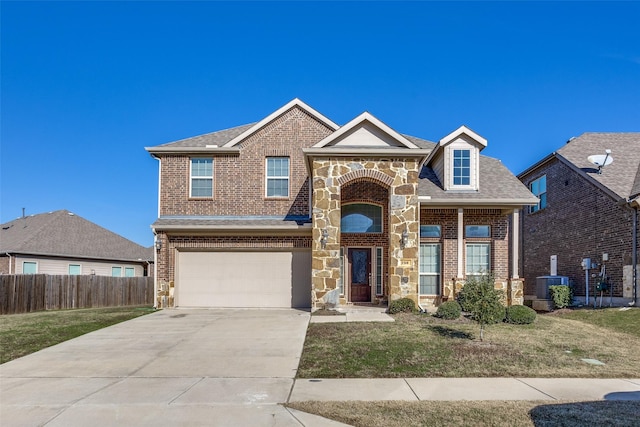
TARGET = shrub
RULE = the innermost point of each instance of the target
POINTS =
(402, 305)
(561, 295)
(520, 315)
(480, 298)
(449, 310)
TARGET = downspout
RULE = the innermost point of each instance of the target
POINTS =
(9, 255)
(634, 255)
(155, 239)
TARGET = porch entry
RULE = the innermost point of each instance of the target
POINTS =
(359, 274)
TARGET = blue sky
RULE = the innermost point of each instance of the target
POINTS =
(87, 85)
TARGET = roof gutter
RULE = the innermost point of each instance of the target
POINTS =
(97, 258)
(193, 150)
(426, 201)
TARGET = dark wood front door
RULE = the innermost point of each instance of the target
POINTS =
(360, 274)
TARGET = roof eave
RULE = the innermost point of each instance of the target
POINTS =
(426, 201)
(71, 256)
(193, 150)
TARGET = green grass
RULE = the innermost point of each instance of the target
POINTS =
(22, 334)
(627, 321)
(477, 413)
(425, 346)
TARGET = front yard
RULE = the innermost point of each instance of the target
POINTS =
(425, 346)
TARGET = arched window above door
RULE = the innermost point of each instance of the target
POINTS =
(361, 218)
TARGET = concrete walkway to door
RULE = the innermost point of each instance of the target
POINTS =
(170, 368)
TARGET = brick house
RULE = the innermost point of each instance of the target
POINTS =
(296, 211)
(585, 212)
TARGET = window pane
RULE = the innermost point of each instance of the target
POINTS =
(477, 231)
(74, 269)
(201, 177)
(116, 271)
(361, 218)
(478, 258)
(29, 267)
(429, 231)
(430, 268)
(539, 189)
(379, 270)
(129, 272)
(461, 167)
(277, 177)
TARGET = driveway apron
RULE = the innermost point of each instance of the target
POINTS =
(173, 367)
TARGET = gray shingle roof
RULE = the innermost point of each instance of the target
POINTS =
(62, 233)
(496, 183)
(219, 138)
(623, 175)
(256, 223)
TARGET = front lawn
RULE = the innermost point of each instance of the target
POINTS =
(424, 346)
(625, 320)
(486, 413)
(22, 334)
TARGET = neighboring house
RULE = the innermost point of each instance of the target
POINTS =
(585, 212)
(61, 242)
(296, 211)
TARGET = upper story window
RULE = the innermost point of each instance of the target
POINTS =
(462, 167)
(116, 271)
(129, 272)
(361, 218)
(201, 178)
(539, 189)
(277, 177)
(75, 269)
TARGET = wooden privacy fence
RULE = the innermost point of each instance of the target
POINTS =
(23, 293)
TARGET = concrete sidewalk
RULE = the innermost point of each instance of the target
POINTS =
(450, 389)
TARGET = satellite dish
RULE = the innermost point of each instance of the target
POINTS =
(601, 160)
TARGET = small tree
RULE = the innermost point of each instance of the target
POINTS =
(480, 298)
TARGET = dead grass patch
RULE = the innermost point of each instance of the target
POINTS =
(469, 413)
(425, 346)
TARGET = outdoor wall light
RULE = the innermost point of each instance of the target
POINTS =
(323, 239)
(158, 245)
(405, 239)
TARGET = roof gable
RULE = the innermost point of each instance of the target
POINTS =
(366, 131)
(622, 176)
(280, 111)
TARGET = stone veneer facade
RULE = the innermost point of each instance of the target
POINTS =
(400, 176)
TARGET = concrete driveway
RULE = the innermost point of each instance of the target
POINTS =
(173, 367)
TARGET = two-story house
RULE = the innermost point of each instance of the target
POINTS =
(587, 210)
(297, 211)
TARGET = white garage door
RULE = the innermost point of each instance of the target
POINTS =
(243, 279)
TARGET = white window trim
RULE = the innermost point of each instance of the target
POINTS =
(438, 275)
(466, 264)
(267, 177)
(474, 166)
(191, 177)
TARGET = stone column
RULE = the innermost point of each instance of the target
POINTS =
(325, 245)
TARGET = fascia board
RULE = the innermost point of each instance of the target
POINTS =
(235, 230)
(536, 165)
(427, 201)
(72, 257)
(463, 130)
(345, 152)
(365, 117)
(193, 150)
(294, 102)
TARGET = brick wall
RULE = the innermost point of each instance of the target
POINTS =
(448, 221)
(239, 180)
(580, 221)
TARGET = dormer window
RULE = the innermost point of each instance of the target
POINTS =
(462, 167)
